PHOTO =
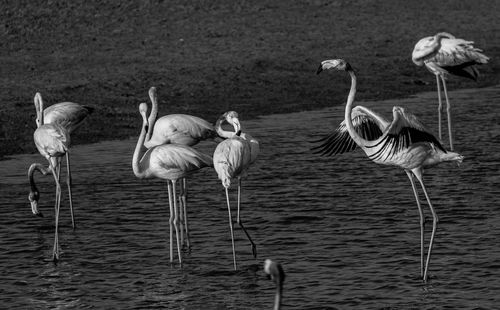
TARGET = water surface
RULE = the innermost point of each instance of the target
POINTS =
(345, 229)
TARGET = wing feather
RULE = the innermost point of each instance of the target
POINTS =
(367, 124)
(404, 131)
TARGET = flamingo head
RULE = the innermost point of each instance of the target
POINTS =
(143, 109)
(152, 94)
(339, 64)
(274, 271)
(39, 109)
(231, 118)
(33, 197)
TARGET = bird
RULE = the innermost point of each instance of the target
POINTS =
(68, 115)
(52, 141)
(177, 129)
(277, 275)
(169, 162)
(443, 54)
(404, 142)
(232, 158)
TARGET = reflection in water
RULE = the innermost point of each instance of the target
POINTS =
(345, 229)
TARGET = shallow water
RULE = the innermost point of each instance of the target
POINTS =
(345, 229)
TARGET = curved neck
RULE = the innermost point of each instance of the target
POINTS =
(224, 133)
(136, 167)
(31, 172)
(348, 110)
(152, 116)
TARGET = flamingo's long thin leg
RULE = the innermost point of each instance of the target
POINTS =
(55, 251)
(238, 219)
(448, 113)
(422, 222)
(440, 105)
(435, 220)
(176, 221)
(184, 204)
(68, 181)
(171, 221)
(180, 214)
(231, 226)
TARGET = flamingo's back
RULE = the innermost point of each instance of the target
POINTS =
(180, 129)
(174, 161)
(70, 115)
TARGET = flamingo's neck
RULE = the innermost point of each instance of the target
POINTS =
(152, 117)
(348, 111)
(136, 166)
(31, 172)
(277, 297)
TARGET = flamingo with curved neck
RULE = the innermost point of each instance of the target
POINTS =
(404, 143)
(443, 54)
(170, 162)
(232, 158)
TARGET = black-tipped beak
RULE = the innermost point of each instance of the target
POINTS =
(320, 68)
(238, 133)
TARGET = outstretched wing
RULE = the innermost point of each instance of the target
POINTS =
(404, 131)
(367, 124)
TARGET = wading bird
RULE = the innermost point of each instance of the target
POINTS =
(232, 158)
(177, 129)
(69, 116)
(443, 54)
(52, 141)
(169, 162)
(275, 271)
(404, 143)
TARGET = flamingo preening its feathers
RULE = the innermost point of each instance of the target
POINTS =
(443, 55)
(232, 159)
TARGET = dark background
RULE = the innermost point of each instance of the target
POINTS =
(206, 57)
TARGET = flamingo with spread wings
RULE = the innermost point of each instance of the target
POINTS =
(443, 55)
(404, 142)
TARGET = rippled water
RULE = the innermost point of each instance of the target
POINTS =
(346, 230)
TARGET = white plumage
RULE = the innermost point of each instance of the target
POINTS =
(404, 143)
(443, 55)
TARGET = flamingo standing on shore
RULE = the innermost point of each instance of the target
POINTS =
(52, 141)
(275, 271)
(443, 54)
(67, 115)
(170, 162)
(404, 143)
(177, 129)
(232, 158)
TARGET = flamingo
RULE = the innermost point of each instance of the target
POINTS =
(232, 158)
(275, 271)
(52, 141)
(443, 54)
(170, 162)
(68, 115)
(404, 143)
(177, 129)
